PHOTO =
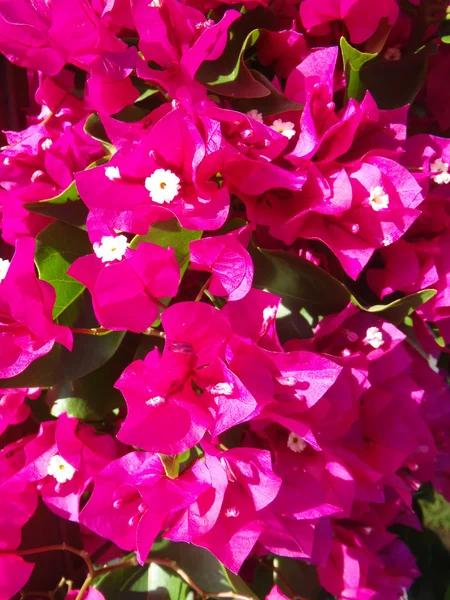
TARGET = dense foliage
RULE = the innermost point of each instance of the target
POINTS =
(225, 299)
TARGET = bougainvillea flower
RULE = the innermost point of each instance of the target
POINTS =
(28, 331)
(126, 284)
(157, 178)
(59, 463)
(232, 511)
(229, 262)
(13, 409)
(360, 16)
(14, 574)
(132, 499)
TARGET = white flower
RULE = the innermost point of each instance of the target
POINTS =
(60, 469)
(295, 443)
(254, 114)
(112, 173)
(4, 266)
(393, 53)
(286, 128)
(155, 4)
(46, 144)
(156, 401)
(221, 389)
(378, 198)
(232, 512)
(441, 169)
(163, 186)
(374, 337)
(111, 248)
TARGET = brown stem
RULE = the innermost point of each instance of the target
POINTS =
(92, 331)
(62, 547)
(154, 332)
(84, 588)
(203, 289)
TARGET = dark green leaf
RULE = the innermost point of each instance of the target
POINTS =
(295, 278)
(149, 582)
(94, 128)
(169, 234)
(353, 61)
(60, 366)
(203, 568)
(272, 104)
(228, 75)
(93, 397)
(58, 245)
(397, 311)
(394, 83)
(301, 577)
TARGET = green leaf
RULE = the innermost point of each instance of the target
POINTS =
(158, 583)
(301, 577)
(203, 568)
(397, 311)
(272, 104)
(94, 129)
(171, 465)
(58, 245)
(446, 40)
(93, 397)
(394, 83)
(67, 206)
(228, 75)
(60, 365)
(169, 234)
(353, 61)
(295, 278)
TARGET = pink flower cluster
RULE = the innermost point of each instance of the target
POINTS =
(205, 144)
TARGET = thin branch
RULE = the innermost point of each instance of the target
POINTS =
(203, 289)
(84, 588)
(154, 332)
(92, 331)
(57, 547)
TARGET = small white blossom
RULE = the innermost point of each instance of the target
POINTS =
(255, 114)
(286, 128)
(156, 401)
(440, 168)
(378, 199)
(111, 248)
(46, 144)
(4, 266)
(295, 443)
(374, 337)
(221, 389)
(232, 512)
(60, 469)
(112, 173)
(163, 186)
